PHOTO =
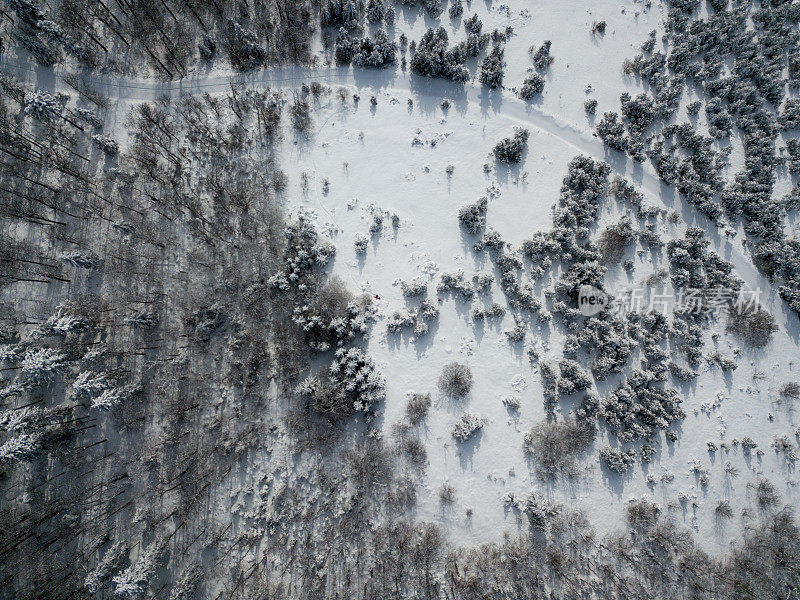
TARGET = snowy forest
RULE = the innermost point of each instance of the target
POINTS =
(294, 299)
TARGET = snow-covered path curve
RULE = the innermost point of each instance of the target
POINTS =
(431, 91)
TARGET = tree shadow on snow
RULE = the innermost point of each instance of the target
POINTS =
(429, 91)
(466, 450)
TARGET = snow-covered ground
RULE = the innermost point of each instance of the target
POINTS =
(386, 169)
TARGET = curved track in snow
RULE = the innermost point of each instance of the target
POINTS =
(492, 103)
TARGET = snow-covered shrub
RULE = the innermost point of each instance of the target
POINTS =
(574, 377)
(304, 252)
(376, 227)
(590, 106)
(244, 51)
(473, 25)
(510, 149)
(455, 380)
(300, 113)
(793, 152)
(428, 311)
(84, 260)
(790, 389)
(693, 108)
(133, 582)
(466, 426)
(447, 493)
(723, 509)
(40, 365)
(360, 242)
(748, 444)
(351, 384)
(376, 10)
(599, 27)
(766, 493)
(344, 13)
(553, 446)
(106, 144)
(609, 337)
(492, 67)
(512, 402)
(432, 57)
(612, 132)
(89, 117)
(41, 106)
(637, 408)
(332, 318)
(111, 562)
(617, 460)
(495, 311)
(789, 117)
(516, 333)
(783, 445)
(482, 283)
(433, 7)
(399, 320)
(20, 448)
(614, 240)
(680, 372)
(694, 266)
(539, 510)
(532, 86)
(491, 241)
(414, 288)
(753, 325)
(455, 282)
(473, 216)
(541, 56)
(417, 408)
(143, 319)
(719, 121)
(638, 112)
(377, 52)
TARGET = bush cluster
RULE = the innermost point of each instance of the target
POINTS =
(432, 57)
(532, 86)
(352, 384)
(466, 426)
(541, 56)
(638, 408)
(377, 52)
(473, 216)
(492, 69)
(554, 446)
(617, 460)
(455, 380)
(509, 150)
